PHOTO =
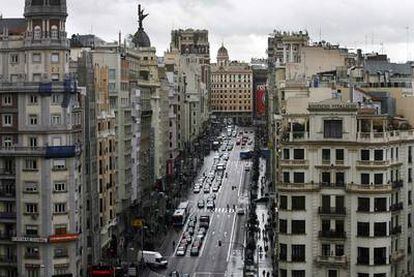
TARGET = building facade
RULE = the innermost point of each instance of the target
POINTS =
(345, 193)
(231, 89)
(40, 134)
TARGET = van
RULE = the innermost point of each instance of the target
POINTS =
(152, 258)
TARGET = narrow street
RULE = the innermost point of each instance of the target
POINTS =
(222, 247)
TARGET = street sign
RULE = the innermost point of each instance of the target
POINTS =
(137, 223)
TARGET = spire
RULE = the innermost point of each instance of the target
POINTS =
(140, 38)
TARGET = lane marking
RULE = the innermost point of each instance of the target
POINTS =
(231, 238)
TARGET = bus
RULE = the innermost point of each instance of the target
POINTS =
(180, 214)
(246, 155)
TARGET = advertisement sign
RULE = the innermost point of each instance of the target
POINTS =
(260, 100)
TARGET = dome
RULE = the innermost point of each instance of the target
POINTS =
(141, 39)
(222, 52)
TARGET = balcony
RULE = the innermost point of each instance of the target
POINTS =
(7, 173)
(332, 234)
(332, 261)
(397, 184)
(396, 207)
(332, 185)
(362, 164)
(396, 230)
(8, 260)
(36, 87)
(294, 163)
(32, 256)
(375, 189)
(22, 151)
(7, 193)
(53, 152)
(7, 216)
(295, 136)
(397, 256)
(382, 137)
(299, 187)
(332, 210)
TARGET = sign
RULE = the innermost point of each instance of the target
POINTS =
(260, 100)
(29, 239)
(63, 238)
(137, 223)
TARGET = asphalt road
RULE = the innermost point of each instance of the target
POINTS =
(225, 225)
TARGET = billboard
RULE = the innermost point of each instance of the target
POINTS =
(260, 100)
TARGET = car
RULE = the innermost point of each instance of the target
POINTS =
(196, 189)
(190, 230)
(195, 251)
(189, 239)
(210, 205)
(197, 243)
(180, 251)
(213, 196)
(206, 189)
(174, 274)
(230, 147)
(215, 189)
(238, 142)
(200, 204)
(191, 224)
(240, 211)
(200, 235)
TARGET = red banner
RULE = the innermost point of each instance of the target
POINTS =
(260, 100)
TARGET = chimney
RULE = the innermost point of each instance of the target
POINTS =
(359, 58)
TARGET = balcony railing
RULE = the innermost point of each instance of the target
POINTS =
(332, 234)
(396, 230)
(332, 260)
(332, 185)
(7, 215)
(332, 210)
(396, 207)
(299, 186)
(22, 151)
(386, 188)
(397, 184)
(8, 259)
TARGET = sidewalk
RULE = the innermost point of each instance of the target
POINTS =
(262, 253)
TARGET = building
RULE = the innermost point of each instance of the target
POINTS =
(40, 134)
(231, 89)
(345, 192)
(191, 41)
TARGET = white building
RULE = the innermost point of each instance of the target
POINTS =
(344, 193)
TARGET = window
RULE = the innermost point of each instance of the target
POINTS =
(36, 57)
(33, 141)
(363, 229)
(364, 178)
(7, 141)
(54, 57)
(56, 99)
(60, 187)
(340, 178)
(33, 119)
(60, 252)
(286, 177)
(380, 204)
(298, 253)
(59, 164)
(7, 120)
(33, 99)
(298, 154)
(339, 250)
(112, 74)
(363, 255)
(410, 154)
(380, 275)
(37, 33)
(298, 273)
(378, 155)
(378, 179)
(298, 226)
(326, 178)
(363, 274)
(283, 202)
(326, 155)
(30, 187)
(326, 250)
(332, 273)
(32, 230)
(31, 208)
(283, 272)
(298, 177)
(60, 208)
(380, 256)
(56, 119)
(332, 129)
(54, 33)
(409, 220)
(30, 164)
(14, 58)
(380, 229)
(282, 226)
(298, 202)
(286, 153)
(7, 100)
(410, 201)
(60, 229)
(363, 204)
(364, 155)
(283, 252)
(111, 87)
(339, 154)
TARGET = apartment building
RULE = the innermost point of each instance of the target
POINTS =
(344, 184)
(40, 135)
(231, 88)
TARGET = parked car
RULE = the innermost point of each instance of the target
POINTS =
(195, 251)
(210, 205)
(200, 204)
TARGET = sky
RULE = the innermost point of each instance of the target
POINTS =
(243, 26)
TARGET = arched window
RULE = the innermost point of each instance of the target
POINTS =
(37, 32)
(54, 34)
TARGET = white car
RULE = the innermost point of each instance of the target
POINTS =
(181, 251)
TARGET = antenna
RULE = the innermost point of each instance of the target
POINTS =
(320, 33)
(408, 41)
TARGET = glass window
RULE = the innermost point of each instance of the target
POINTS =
(283, 202)
(298, 202)
(56, 119)
(298, 273)
(7, 120)
(60, 186)
(30, 187)
(30, 164)
(298, 253)
(363, 229)
(298, 177)
(7, 100)
(112, 74)
(365, 155)
(332, 128)
(380, 257)
(298, 154)
(363, 255)
(380, 204)
(60, 208)
(378, 155)
(365, 178)
(32, 230)
(363, 204)
(286, 177)
(60, 229)
(54, 57)
(286, 155)
(282, 252)
(31, 208)
(282, 226)
(380, 229)
(378, 179)
(339, 153)
(32, 119)
(298, 226)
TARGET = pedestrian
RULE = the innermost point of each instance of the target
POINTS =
(264, 272)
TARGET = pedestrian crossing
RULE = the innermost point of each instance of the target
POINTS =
(223, 210)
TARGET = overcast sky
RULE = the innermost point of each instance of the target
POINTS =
(243, 26)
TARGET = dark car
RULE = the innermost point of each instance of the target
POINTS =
(194, 251)
(174, 274)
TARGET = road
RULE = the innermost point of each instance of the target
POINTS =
(225, 224)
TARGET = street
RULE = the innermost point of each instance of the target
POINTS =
(226, 225)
